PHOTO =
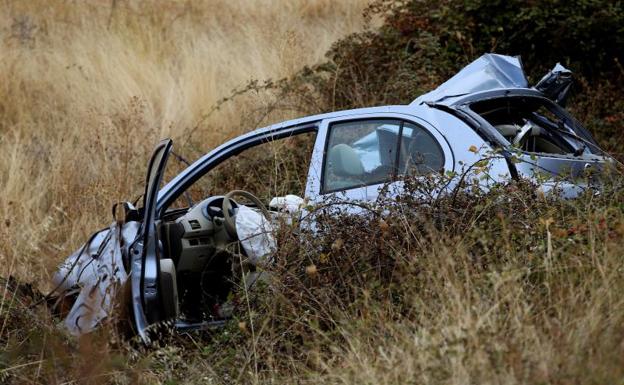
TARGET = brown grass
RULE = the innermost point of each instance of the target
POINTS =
(505, 287)
(87, 89)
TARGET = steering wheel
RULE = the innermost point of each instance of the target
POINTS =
(228, 220)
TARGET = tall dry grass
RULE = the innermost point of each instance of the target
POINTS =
(87, 88)
(505, 287)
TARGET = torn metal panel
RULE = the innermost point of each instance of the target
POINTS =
(96, 271)
(489, 72)
(556, 84)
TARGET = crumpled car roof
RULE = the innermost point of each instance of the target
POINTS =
(488, 72)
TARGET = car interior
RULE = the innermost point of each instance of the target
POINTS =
(372, 158)
(199, 243)
(530, 124)
(201, 254)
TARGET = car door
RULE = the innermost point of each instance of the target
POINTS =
(145, 252)
(356, 155)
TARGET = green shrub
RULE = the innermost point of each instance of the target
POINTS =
(423, 42)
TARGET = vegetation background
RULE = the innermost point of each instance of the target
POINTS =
(474, 290)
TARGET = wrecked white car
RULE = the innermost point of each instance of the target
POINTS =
(173, 259)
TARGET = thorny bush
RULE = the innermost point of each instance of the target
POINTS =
(512, 258)
(507, 285)
(421, 43)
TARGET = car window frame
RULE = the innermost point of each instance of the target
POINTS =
(330, 127)
(577, 127)
(204, 165)
(314, 189)
(401, 137)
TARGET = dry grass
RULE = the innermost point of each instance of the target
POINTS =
(499, 288)
(87, 88)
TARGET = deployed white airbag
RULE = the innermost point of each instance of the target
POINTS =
(289, 203)
(255, 233)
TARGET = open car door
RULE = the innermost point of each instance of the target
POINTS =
(145, 251)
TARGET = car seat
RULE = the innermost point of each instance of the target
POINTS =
(169, 288)
(343, 162)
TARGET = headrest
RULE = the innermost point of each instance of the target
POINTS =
(344, 161)
(507, 130)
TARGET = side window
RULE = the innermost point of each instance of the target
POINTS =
(365, 152)
(420, 152)
(360, 153)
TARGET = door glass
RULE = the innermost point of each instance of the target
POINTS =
(420, 152)
(360, 153)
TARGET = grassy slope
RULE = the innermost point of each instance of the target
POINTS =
(505, 288)
(87, 89)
